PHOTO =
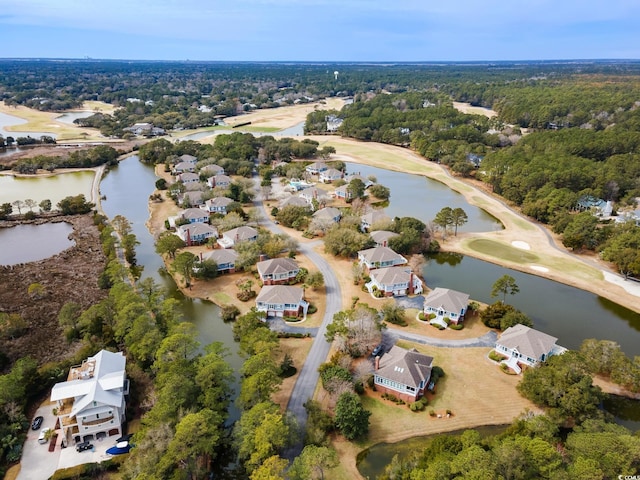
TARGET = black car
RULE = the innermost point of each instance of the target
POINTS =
(124, 438)
(37, 422)
(379, 350)
(86, 445)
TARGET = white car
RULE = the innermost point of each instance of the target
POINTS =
(43, 433)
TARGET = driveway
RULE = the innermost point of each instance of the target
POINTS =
(37, 462)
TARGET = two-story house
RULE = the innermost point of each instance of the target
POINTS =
(523, 345)
(380, 257)
(225, 258)
(237, 235)
(281, 301)
(196, 233)
(446, 303)
(91, 403)
(394, 281)
(217, 205)
(277, 271)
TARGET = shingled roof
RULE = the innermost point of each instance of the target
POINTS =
(408, 367)
(527, 341)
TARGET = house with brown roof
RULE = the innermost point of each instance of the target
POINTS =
(281, 301)
(403, 373)
(446, 303)
(523, 345)
(225, 258)
(394, 281)
(380, 257)
(277, 271)
(381, 237)
(237, 235)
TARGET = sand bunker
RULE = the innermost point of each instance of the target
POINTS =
(521, 245)
(538, 268)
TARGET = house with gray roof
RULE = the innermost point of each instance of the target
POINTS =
(281, 301)
(186, 158)
(91, 403)
(446, 303)
(328, 213)
(330, 175)
(295, 201)
(237, 235)
(372, 217)
(343, 192)
(195, 215)
(183, 167)
(188, 177)
(316, 167)
(196, 233)
(219, 180)
(192, 199)
(523, 345)
(225, 258)
(382, 237)
(212, 170)
(380, 257)
(394, 281)
(277, 271)
(403, 373)
(217, 205)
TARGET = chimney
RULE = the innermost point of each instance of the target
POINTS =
(377, 362)
(411, 283)
(188, 236)
(200, 257)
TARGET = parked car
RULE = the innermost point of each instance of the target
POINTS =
(43, 435)
(82, 446)
(379, 350)
(124, 438)
(37, 422)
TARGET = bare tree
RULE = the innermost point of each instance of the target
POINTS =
(18, 204)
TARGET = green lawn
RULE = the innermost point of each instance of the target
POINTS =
(502, 251)
(221, 298)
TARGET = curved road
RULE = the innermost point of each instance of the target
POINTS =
(309, 376)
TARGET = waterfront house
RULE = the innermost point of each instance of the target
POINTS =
(188, 177)
(237, 235)
(374, 216)
(192, 199)
(316, 167)
(403, 373)
(196, 233)
(523, 345)
(186, 158)
(281, 301)
(381, 237)
(354, 176)
(195, 215)
(394, 281)
(212, 170)
(225, 258)
(343, 192)
(217, 205)
(446, 303)
(183, 167)
(277, 271)
(380, 257)
(91, 403)
(330, 175)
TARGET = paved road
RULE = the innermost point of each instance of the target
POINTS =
(309, 376)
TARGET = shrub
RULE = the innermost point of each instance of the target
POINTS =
(456, 326)
(436, 374)
(431, 316)
(229, 313)
(495, 356)
(422, 317)
(432, 413)
(246, 295)
(312, 309)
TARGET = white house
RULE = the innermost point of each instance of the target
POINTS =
(282, 300)
(237, 235)
(380, 257)
(446, 303)
(524, 345)
(403, 373)
(277, 271)
(394, 281)
(91, 404)
(316, 167)
(217, 205)
(330, 175)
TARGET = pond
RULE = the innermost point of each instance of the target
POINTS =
(52, 187)
(570, 314)
(30, 243)
(372, 461)
(71, 115)
(422, 198)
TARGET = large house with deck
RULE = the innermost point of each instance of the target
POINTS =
(330, 175)
(219, 180)
(316, 167)
(217, 205)
(375, 216)
(196, 233)
(444, 303)
(403, 373)
(91, 403)
(237, 235)
(523, 345)
(282, 301)
(277, 271)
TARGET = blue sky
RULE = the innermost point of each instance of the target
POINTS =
(321, 30)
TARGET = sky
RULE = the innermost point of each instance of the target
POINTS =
(321, 30)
